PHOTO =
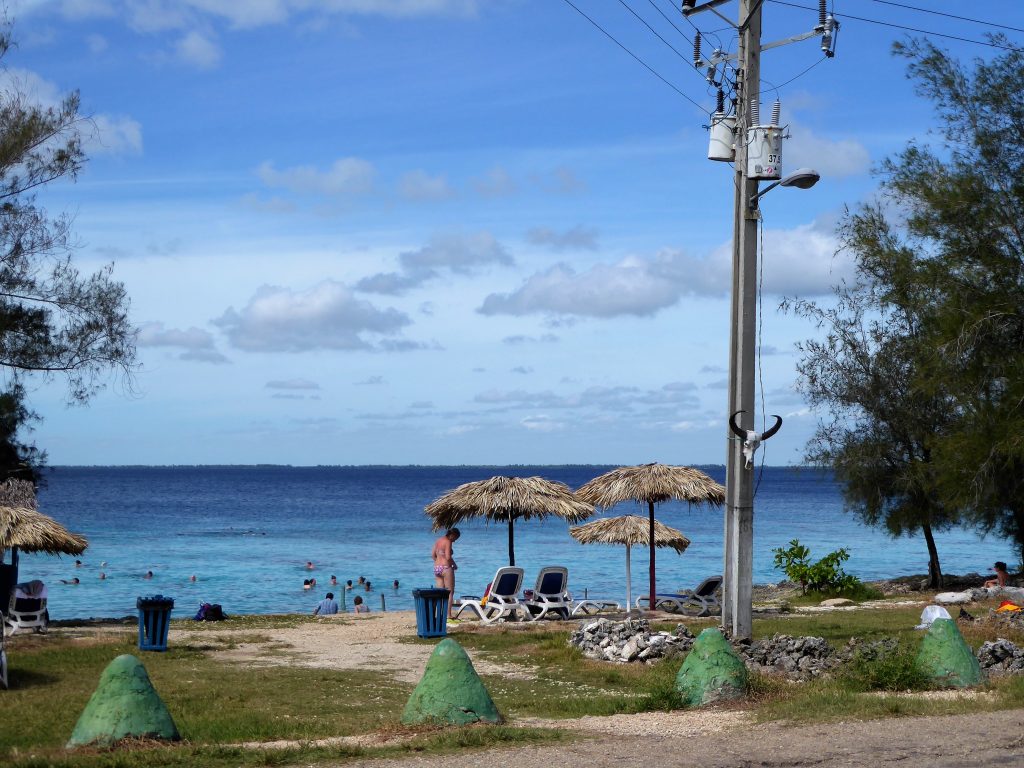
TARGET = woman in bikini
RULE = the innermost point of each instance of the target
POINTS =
(444, 565)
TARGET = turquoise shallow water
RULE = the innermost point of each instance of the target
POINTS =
(246, 533)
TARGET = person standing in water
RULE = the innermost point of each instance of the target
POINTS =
(444, 565)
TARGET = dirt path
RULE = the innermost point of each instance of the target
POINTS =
(377, 641)
(987, 740)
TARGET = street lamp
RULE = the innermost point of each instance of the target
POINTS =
(801, 178)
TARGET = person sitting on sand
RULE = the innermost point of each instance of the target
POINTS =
(327, 606)
(149, 575)
(358, 606)
(1001, 574)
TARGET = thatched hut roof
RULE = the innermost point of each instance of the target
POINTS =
(504, 499)
(653, 483)
(631, 530)
(24, 527)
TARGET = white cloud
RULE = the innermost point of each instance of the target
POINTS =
(97, 43)
(495, 183)
(633, 286)
(198, 50)
(831, 158)
(461, 254)
(292, 384)
(77, 10)
(115, 135)
(578, 237)
(419, 185)
(108, 134)
(347, 177)
(196, 343)
(326, 316)
(542, 424)
(799, 261)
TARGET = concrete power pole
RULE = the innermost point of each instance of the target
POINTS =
(739, 492)
(766, 162)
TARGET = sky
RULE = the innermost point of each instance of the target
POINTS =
(448, 231)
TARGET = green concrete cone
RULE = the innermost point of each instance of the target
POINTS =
(124, 704)
(946, 659)
(450, 691)
(712, 671)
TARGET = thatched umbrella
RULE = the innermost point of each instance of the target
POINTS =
(23, 527)
(507, 499)
(653, 483)
(629, 530)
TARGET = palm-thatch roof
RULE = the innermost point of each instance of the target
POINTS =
(507, 499)
(630, 530)
(502, 499)
(653, 483)
(24, 527)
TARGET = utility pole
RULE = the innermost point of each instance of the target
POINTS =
(738, 552)
(739, 488)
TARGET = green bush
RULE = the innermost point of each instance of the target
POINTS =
(826, 575)
(885, 667)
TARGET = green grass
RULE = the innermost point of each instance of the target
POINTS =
(212, 702)
(217, 703)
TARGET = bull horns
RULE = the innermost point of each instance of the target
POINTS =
(751, 439)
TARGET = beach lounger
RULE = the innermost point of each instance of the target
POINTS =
(501, 603)
(703, 601)
(550, 594)
(27, 609)
(590, 607)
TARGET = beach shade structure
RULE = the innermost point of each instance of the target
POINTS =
(24, 528)
(654, 484)
(507, 499)
(629, 530)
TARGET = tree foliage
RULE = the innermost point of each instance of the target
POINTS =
(922, 365)
(53, 319)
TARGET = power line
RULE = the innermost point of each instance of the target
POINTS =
(777, 88)
(643, 21)
(949, 15)
(646, 66)
(671, 23)
(909, 29)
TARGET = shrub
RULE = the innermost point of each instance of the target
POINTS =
(881, 667)
(826, 575)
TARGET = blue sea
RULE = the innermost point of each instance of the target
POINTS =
(246, 533)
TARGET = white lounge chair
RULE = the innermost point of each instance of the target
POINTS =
(550, 594)
(502, 602)
(703, 601)
(27, 609)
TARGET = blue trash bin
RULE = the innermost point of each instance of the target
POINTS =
(154, 621)
(431, 612)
